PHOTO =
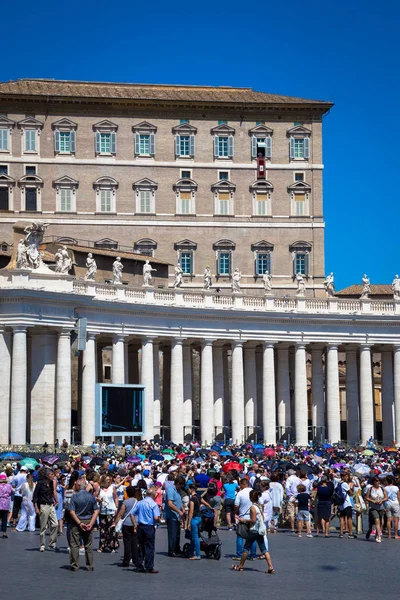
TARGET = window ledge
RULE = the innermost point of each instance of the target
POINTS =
(108, 154)
(105, 213)
(224, 158)
(64, 154)
(151, 156)
(218, 215)
(65, 212)
(5, 152)
(143, 214)
(185, 215)
(31, 211)
(184, 157)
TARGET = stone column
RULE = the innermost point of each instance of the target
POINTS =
(317, 391)
(227, 394)
(126, 360)
(352, 394)
(88, 390)
(218, 370)
(250, 392)
(237, 406)
(5, 378)
(259, 383)
(269, 399)
(366, 394)
(387, 397)
(166, 392)
(176, 391)
(396, 380)
(187, 390)
(332, 394)
(63, 386)
(118, 359)
(300, 396)
(18, 386)
(207, 393)
(283, 390)
(156, 389)
(147, 373)
(133, 364)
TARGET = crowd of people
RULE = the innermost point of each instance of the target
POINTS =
(127, 493)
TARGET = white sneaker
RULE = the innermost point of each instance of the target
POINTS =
(42, 548)
(82, 551)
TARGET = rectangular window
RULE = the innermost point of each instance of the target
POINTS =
(4, 139)
(301, 263)
(182, 121)
(186, 262)
(223, 175)
(186, 174)
(299, 176)
(65, 199)
(185, 198)
(260, 123)
(105, 143)
(145, 201)
(223, 146)
(31, 199)
(105, 200)
(3, 169)
(4, 198)
(184, 145)
(224, 263)
(223, 203)
(222, 122)
(30, 170)
(298, 148)
(261, 204)
(65, 141)
(263, 263)
(299, 202)
(30, 140)
(144, 144)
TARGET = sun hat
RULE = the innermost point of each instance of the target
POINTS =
(3, 477)
(24, 468)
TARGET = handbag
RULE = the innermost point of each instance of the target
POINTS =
(242, 530)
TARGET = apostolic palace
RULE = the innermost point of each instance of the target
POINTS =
(180, 230)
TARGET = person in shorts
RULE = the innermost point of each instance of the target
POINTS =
(230, 488)
(392, 506)
(210, 499)
(303, 514)
(346, 508)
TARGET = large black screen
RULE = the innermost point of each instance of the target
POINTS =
(121, 410)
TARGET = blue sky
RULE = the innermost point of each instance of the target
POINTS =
(348, 54)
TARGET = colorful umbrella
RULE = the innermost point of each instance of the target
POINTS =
(246, 460)
(134, 460)
(232, 466)
(391, 449)
(181, 456)
(225, 453)
(367, 453)
(157, 457)
(51, 460)
(29, 463)
(270, 452)
(10, 456)
(258, 447)
(361, 469)
(339, 465)
(168, 451)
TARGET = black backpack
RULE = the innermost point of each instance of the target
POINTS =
(339, 495)
(212, 488)
(257, 484)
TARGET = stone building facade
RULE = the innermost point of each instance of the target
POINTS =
(225, 177)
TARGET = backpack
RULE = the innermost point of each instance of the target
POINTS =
(339, 495)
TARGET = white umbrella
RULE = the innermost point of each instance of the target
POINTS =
(361, 469)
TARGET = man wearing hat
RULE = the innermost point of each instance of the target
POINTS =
(17, 483)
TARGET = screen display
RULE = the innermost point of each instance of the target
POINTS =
(121, 410)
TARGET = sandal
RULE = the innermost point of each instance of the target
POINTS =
(237, 568)
(270, 571)
(261, 557)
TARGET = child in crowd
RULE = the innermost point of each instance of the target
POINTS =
(303, 504)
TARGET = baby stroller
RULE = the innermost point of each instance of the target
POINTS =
(210, 543)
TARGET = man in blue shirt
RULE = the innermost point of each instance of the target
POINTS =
(144, 516)
(173, 514)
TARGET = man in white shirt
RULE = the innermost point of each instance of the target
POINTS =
(242, 509)
(291, 492)
(346, 509)
(17, 483)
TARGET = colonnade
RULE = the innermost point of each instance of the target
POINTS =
(267, 392)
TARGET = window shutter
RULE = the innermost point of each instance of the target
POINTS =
(137, 144)
(230, 262)
(306, 147)
(4, 139)
(56, 141)
(294, 255)
(113, 142)
(230, 146)
(307, 264)
(291, 147)
(152, 144)
(191, 150)
(97, 142)
(268, 147)
(72, 141)
(253, 147)
(269, 262)
(216, 141)
(177, 145)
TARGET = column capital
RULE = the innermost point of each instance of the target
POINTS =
(19, 328)
(300, 345)
(396, 348)
(332, 346)
(268, 345)
(237, 343)
(147, 338)
(365, 346)
(177, 341)
(119, 337)
(65, 332)
(91, 335)
(207, 342)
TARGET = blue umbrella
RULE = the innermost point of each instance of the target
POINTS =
(327, 446)
(10, 456)
(258, 447)
(158, 457)
(215, 448)
(226, 454)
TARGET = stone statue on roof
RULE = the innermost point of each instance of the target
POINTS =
(147, 277)
(91, 267)
(28, 255)
(301, 286)
(396, 288)
(63, 261)
(329, 285)
(366, 287)
(267, 279)
(207, 278)
(236, 277)
(117, 269)
(178, 276)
